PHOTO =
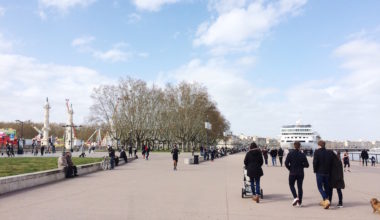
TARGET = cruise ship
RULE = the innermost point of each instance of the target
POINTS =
(299, 132)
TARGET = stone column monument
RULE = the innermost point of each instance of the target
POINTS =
(45, 129)
(69, 133)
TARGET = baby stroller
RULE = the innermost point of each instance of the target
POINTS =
(246, 190)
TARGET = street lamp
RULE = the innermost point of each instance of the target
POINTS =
(208, 127)
(20, 148)
(71, 136)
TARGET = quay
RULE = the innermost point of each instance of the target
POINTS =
(211, 190)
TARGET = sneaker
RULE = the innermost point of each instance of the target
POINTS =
(326, 204)
(321, 203)
(295, 201)
(299, 204)
(340, 205)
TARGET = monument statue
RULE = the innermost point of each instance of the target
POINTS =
(45, 129)
(69, 133)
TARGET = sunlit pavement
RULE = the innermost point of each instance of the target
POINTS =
(212, 190)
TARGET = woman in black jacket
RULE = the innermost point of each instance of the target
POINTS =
(253, 162)
(336, 179)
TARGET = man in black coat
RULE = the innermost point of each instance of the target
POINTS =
(273, 154)
(364, 156)
(295, 162)
(280, 155)
(253, 162)
(322, 164)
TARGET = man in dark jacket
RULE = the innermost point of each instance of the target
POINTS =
(364, 156)
(273, 154)
(336, 179)
(253, 162)
(322, 164)
(280, 155)
(295, 162)
(265, 154)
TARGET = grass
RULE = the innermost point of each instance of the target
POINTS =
(22, 165)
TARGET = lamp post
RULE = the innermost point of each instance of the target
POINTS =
(20, 148)
(208, 127)
(71, 135)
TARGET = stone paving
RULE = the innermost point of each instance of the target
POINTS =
(212, 190)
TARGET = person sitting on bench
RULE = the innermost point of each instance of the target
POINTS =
(71, 168)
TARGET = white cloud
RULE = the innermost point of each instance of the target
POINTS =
(112, 55)
(241, 26)
(5, 45)
(64, 5)
(2, 11)
(342, 106)
(134, 18)
(82, 41)
(152, 5)
(27, 82)
(117, 53)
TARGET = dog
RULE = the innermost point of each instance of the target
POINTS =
(375, 205)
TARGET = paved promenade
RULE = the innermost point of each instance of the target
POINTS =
(211, 190)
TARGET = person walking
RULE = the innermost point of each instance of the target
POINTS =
(346, 161)
(295, 162)
(265, 154)
(111, 154)
(42, 150)
(147, 150)
(273, 154)
(373, 161)
(280, 155)
(364, 156)
(253, 162)
(322, 163)
(130, 151)
(175, 153)
(143, 151)
(336, 179)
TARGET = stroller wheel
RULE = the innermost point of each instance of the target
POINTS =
(242, 193)
(262, 194)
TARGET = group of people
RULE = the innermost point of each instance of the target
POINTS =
(212, 152)
(327, 167)
(145, 152)
(9, 150)
(273, 153)
(364, 157)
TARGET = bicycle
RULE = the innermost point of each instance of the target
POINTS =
(106, 163)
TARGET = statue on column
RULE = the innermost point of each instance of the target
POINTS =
(69, 133)
(45, 129)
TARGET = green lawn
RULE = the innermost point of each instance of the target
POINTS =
(21, 165)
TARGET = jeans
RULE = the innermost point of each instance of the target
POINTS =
(292, 180)
(323, 185)
(280, 159)
(274, 162)
(255, 186)
(340, 195)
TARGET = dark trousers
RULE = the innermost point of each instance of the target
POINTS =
(366, 161)
(266, 160)
(323, 185)
(292, 181)
(255, 186)
(71, 171)
(340, 195)
(280, 159)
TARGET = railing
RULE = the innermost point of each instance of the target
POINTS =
(356, 156)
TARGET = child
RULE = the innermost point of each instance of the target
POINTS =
(373, 161)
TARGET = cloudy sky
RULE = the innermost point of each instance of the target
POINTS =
(266, 63)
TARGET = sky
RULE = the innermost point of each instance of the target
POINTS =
(266, 63)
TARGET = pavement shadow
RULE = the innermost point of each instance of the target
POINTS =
(276, 197)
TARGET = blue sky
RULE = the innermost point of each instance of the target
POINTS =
(266, 63)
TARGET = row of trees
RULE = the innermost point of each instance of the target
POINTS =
(132, 112)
